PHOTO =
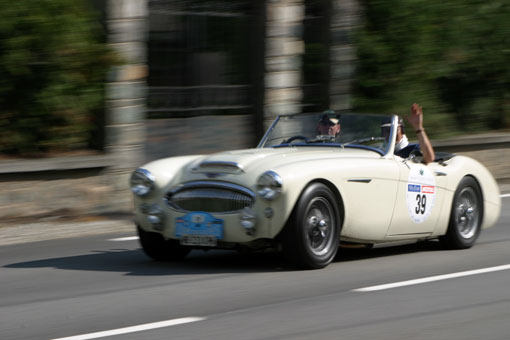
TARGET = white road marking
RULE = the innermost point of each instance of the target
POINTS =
(504, 195)
(433, 278)
(120, 239)
(133, 329)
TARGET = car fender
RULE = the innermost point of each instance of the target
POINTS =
(456, 169)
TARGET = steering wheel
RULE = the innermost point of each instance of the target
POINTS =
(293, 138)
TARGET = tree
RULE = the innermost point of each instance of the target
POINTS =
(451, 56)
(53, 64)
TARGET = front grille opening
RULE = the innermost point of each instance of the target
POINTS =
(212, 200)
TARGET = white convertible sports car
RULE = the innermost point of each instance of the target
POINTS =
(306, 194)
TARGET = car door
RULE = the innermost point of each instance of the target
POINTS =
(419, 200)
(369, 191)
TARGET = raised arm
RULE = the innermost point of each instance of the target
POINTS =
(416, 121)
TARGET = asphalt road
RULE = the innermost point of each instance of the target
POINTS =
(80, 286)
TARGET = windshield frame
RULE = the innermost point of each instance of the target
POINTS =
(384, 153)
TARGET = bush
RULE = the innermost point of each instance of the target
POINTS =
(451, 56)
(53, 64)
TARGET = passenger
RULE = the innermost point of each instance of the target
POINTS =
(402, 146)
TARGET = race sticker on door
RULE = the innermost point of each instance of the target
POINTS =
(421, 193)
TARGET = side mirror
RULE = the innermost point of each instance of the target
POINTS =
(416, 156)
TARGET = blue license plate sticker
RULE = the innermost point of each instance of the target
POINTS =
(199, 223)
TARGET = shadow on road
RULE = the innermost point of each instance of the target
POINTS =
(135, 263)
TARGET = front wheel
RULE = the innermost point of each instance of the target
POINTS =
(159, 249)
(311, 236)
(465, 217)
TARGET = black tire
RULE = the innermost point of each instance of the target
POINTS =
(312, 234)
(465, 217)
(159, 249)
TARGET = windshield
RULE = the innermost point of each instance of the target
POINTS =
(369, 132)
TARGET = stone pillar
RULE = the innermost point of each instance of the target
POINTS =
(344, 18)
(284, 49)
(126, 94)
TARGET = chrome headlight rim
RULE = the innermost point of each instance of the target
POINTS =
(269, 185)
(142, 182)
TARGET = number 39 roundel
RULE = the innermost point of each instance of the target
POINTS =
(421, 193)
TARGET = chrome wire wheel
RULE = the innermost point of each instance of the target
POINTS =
(467, 213)
(311, 236)
(319, 219)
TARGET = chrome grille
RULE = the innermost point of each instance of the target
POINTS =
(211, 197)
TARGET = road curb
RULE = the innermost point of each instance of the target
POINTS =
(44, 231)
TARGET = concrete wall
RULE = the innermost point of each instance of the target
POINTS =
(197, 135)
(345, 15)
(283, 53)
(73, 184)
(126, 25)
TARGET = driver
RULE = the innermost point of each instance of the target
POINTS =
(402, 146)
(328, 125)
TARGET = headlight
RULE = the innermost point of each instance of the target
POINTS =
(269, 185)
(142, 182)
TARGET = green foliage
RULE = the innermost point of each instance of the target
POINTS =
(451, 56)
(53, 65)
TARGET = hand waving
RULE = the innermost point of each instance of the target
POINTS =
(416, 120)
(416, 117)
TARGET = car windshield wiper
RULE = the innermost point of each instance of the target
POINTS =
(364, 140)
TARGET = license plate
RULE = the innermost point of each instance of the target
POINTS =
(205, 241)
(199, 228)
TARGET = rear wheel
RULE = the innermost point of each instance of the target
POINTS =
(157, 248)
(465, 217)
(311, 236)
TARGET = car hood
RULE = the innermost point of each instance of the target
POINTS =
(249, 160)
